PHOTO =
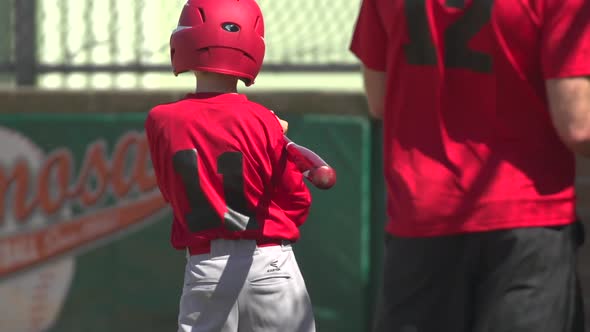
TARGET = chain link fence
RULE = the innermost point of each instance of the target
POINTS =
(41, 37)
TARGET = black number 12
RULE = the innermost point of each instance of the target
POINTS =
(421, 50)
(202, 215)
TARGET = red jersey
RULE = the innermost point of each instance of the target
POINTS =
(220, 162)
(469, 144)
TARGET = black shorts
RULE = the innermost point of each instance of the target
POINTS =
(519, 280)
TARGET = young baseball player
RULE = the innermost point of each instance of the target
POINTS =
(220, 162)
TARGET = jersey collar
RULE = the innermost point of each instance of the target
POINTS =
(216, 97)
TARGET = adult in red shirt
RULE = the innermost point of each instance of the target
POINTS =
(221, 163)
(484, 103)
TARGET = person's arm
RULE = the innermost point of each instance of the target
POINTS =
(369, 44)
(569, 103)
(293, 196)
(565, 59)
(284, 124)
(291, 193)
(375, 82)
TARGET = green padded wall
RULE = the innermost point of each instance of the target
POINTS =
(132, 280)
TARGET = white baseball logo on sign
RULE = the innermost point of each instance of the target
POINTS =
(30, 301)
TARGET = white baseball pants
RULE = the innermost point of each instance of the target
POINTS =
(239, 287)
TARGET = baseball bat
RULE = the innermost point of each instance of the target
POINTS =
(312, 166)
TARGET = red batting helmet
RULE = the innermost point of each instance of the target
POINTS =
(221, 36)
